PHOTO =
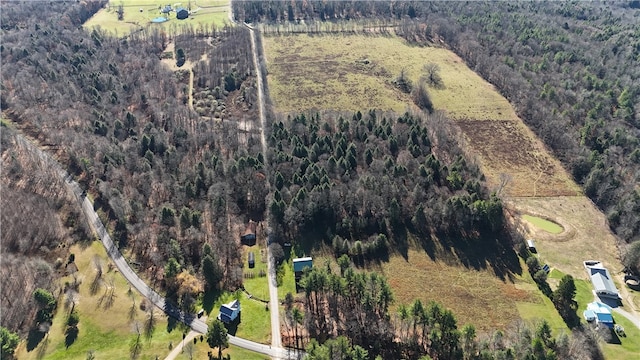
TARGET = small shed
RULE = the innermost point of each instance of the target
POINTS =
(248, 237)
(251, 260)
(229, 312)
(182, 14)
(531, 246)
(300, 264)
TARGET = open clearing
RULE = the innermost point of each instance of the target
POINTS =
(204, 12)
(509, 147)
(475, 297)
(101, 327)
(586, 236)
(354, 72)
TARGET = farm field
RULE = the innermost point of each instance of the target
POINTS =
(354, 72)
(204, 12)
(509, 147)
(476, 297)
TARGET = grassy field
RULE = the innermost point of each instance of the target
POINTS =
(541, 307)
(257, 286)
(354, 72)
(586, 234)
(544, 224)
(106, 330)
(203, 12)
(476, 297)
(509, 147)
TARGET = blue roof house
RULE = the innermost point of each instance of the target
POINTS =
(229, 312)
(300, 264)
(599, 312)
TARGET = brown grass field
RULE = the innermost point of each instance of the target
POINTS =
(475, 296)
(330, 72)
(509, 147)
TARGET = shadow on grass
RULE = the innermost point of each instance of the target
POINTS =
(480, 252)
(232, 327)
(34, 338)
(209, 299)
(615, 339)
(70, 335)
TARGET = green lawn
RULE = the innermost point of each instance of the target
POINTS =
(107, 330)
(210, 12)
(541, 307)
(288, 280)
(255, 321)
(544, 224)
(255, 318)
(257, 286)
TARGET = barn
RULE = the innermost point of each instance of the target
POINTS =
(601, 279)
(251, 260)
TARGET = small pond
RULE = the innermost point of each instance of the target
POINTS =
(546, 225)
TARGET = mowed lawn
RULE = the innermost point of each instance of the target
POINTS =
(105, 330)
(204, 12)
(354, 72)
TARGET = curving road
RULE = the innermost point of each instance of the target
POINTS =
(124, 268)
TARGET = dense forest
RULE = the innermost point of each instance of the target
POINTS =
(569, 68)
(176, 169)
(160, 173)
(363, 182)
(34, 248)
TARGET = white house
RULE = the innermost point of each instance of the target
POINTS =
(601, 279)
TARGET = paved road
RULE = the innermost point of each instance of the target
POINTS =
(628, 315)
(196, 324)
(276, 337)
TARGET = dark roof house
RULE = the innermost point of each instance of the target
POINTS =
(248, 237)
(300, 264)
(229, 312)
